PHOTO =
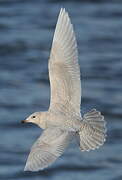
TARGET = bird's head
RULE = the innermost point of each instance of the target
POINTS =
(36, 118)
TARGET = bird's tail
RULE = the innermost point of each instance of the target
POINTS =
(93, 131)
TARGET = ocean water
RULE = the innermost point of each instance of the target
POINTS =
(26, 31)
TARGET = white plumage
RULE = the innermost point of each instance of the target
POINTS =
(49, 146)
(64, 69)
(63, 120)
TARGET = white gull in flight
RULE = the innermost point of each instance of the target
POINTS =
(63, 119)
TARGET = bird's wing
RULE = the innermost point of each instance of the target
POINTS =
(64, 71)
(48, 147)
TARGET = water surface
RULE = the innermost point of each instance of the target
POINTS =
(26, 31)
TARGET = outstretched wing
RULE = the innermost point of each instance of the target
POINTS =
(48, 147)
(64, 71)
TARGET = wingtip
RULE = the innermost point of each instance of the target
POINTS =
(62, 10)
(26, 168)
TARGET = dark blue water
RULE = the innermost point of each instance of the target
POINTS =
(26, 31)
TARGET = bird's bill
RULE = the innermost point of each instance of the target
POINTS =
(24, 121)
(27, 121)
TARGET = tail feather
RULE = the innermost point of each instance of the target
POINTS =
(93, 131)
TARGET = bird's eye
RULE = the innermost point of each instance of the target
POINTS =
(33, 116)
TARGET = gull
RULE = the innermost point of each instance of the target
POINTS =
(63, 121)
